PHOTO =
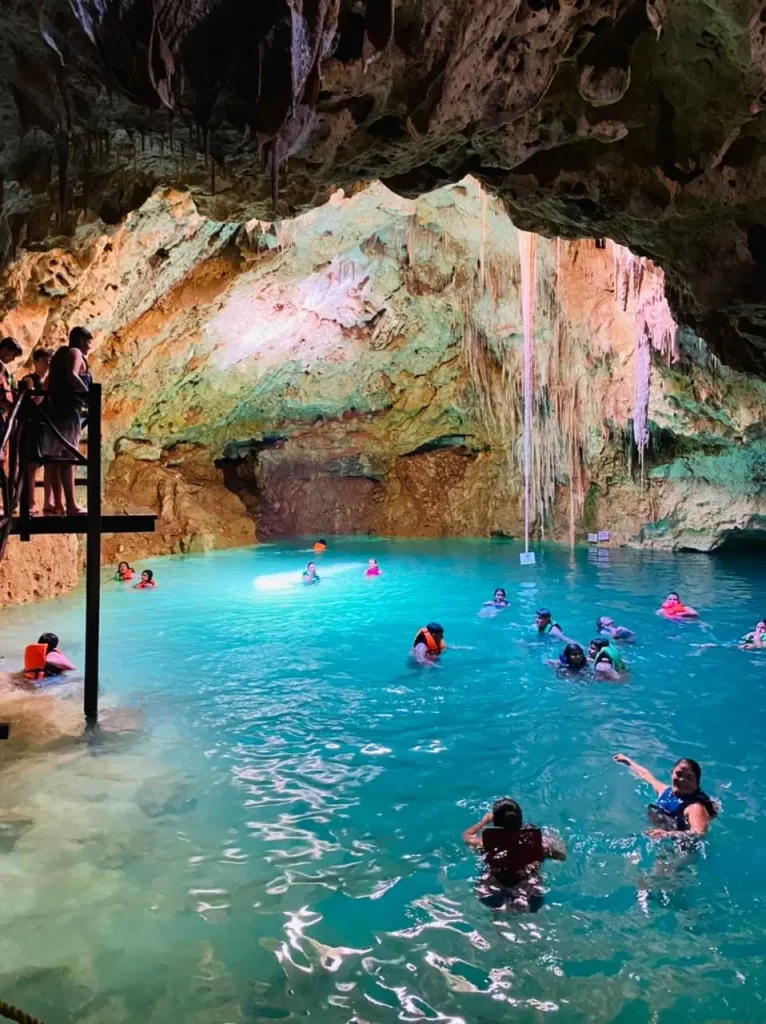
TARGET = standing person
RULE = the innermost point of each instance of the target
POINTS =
(68, 382)
(682, 806)
(10, 351)
(35, 381)
(513, 853)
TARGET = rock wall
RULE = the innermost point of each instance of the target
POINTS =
(358, 369)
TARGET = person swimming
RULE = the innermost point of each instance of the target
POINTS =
(513, 853)
(547, 627)
(682, 806)
(147, 582)
(124, 572)
(44, 659)
(320, 546)
(373, 569)
(572, 660)
(605, 627)
(499, 600)
(606, 658)
(755, 640)
(428, 645)
(310, 574)
(673, 608)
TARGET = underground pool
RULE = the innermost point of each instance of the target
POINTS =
(282, 838)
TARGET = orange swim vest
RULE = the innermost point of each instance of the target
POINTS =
(146, 585)
(320, 547)
(35, 656)
(434, 646)
(675, 608)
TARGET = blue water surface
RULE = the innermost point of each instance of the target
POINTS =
(283, 838)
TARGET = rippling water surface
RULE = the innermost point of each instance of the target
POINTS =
(283, 839)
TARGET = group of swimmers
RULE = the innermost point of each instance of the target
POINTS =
(513, 852)
(126, 574)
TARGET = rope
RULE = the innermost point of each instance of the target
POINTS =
(14, 1013)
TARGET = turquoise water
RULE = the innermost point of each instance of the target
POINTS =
(283, 839)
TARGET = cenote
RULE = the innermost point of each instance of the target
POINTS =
(282, 839)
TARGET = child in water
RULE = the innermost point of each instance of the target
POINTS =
(756, 640)
(310, 574)
(673, 608)
(513, 853)
(147, 581)
(373, 569)
(124, 573)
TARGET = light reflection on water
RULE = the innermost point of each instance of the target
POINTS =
(285, 836)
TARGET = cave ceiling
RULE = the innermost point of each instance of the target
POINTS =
(640, 120)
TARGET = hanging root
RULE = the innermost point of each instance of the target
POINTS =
(14, 1013)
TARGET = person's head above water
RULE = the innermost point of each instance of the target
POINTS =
(573, 656)
(598, 643)
(311, 567)
(50, 640)
(672, 598)
(435, 629)
(604, 622)
(147, 575)
(542, 616)
(124, 567)
(686, 775)
(373, 562)
(506, 813)
(500, 595)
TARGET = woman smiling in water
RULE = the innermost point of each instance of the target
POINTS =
(682, 806)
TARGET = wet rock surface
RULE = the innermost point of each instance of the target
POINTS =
(358, 369)
(638, 120)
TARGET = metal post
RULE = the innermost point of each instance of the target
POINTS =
(93, 554)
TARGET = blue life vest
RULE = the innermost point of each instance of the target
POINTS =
(674, 806)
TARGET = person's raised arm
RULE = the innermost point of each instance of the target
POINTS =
(643, 773)
(554, 848)
(472, 835)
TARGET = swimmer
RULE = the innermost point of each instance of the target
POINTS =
(674, 609)
(124, 572)
(605, 627)
(756, 640)
(499, 601)
(571, 661)
(148, 582)
(546, 627)
(428, 645)
(682, 806)
(310, 574)
(320, 546)
(513, 853)
(44, 659)
(373, 569)
(607, 660)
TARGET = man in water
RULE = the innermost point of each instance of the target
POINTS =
(310, 574)
(428, 645)
(605, 627)
(513, 853)
(547, 627)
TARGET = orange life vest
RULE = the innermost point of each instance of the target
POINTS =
(434, 646)
(320, 547)
(146, 585)
(35, 656)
